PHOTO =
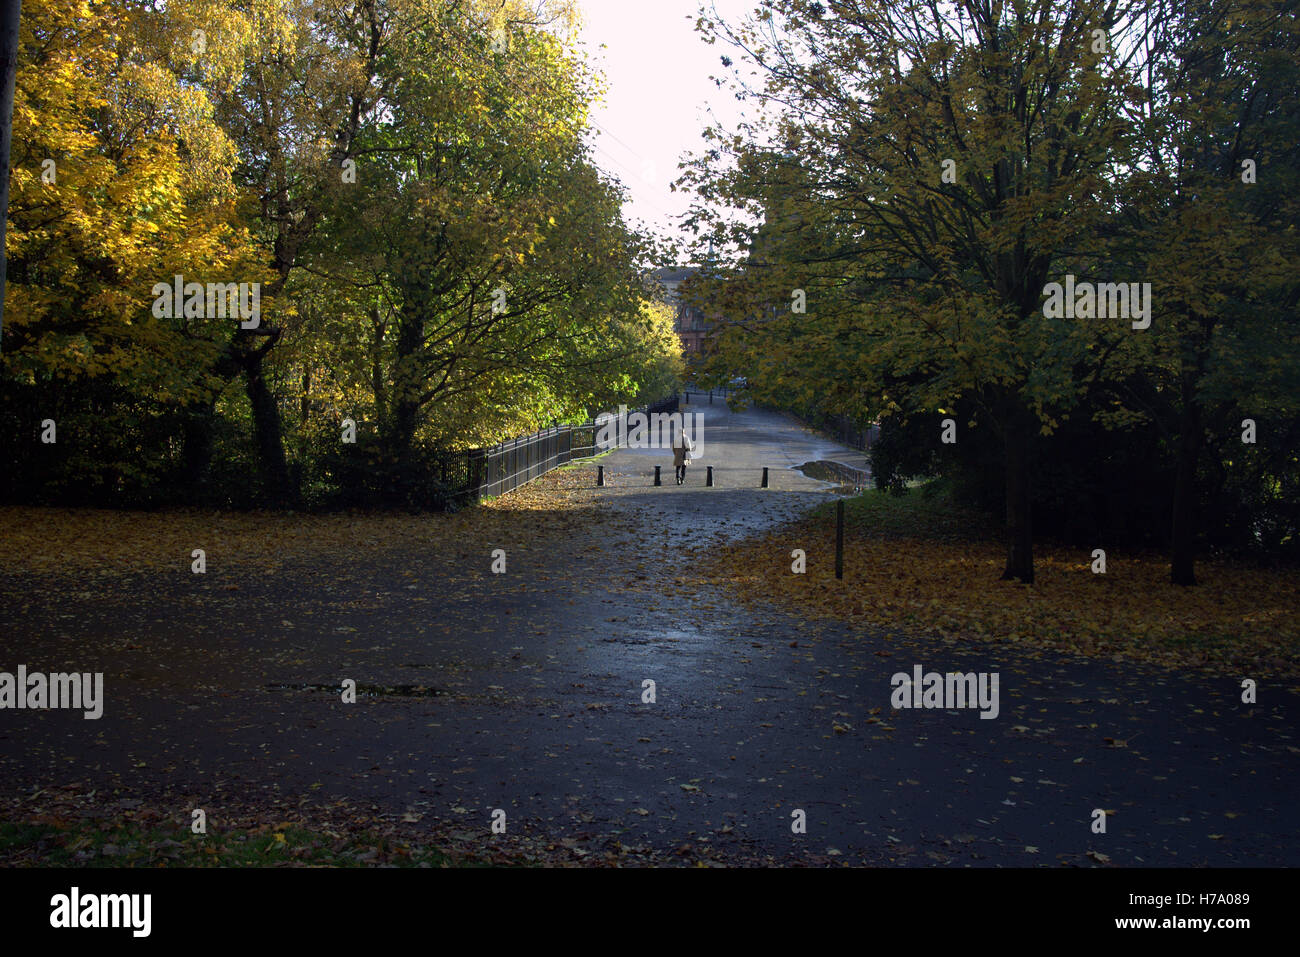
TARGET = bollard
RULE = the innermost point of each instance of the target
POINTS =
(708, 481)
(839, 539)
(764, 485)
(600, 476)
(658, 480)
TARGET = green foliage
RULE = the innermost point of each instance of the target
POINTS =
(921, 175)
(409, 183)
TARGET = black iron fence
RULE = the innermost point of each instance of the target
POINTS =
(845, 432)
(698, 396)
(472, 474)
(508, 465)
(505, 467)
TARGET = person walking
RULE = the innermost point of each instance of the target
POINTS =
(682, 449)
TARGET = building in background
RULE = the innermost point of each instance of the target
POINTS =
(689, 322)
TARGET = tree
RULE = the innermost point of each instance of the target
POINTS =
(952, 159)
(1212, 218)
(121, 180)
(407, 182)
(488, 250)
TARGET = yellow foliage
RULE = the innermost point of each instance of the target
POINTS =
(932, 580)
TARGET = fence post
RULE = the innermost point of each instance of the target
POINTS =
(658, 480)
(474, 472)
(839, 539)
(764, 485)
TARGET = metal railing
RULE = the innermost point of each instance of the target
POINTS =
(692, 394)
(511, 464)
(846, 433)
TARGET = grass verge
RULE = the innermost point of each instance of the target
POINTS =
(920, 564)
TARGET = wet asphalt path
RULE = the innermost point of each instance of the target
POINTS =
(539, 709)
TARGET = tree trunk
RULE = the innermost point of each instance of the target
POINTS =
(196, 448)
(276, 484)
(1017, 436)
(404, 405)
(402, 444)
(1182, 550)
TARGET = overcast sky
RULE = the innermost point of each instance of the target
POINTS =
(657, 68)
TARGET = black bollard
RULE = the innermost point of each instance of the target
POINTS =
(600, 476)
(839, 539)
(658, 480)
(764, 485)
(708, 481)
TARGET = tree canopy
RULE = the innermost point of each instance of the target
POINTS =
(930, 180)
(401, 190)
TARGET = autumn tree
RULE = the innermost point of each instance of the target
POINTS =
(406, 181)
(486, 253)
(955, 157)
(121, 180)
(1211, 217)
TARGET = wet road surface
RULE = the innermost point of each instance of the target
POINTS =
(525, 692)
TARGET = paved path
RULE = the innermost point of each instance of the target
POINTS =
(540, 673)
(738, 446)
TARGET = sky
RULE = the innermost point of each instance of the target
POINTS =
(658, 96)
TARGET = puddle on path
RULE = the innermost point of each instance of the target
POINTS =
(847, 481)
